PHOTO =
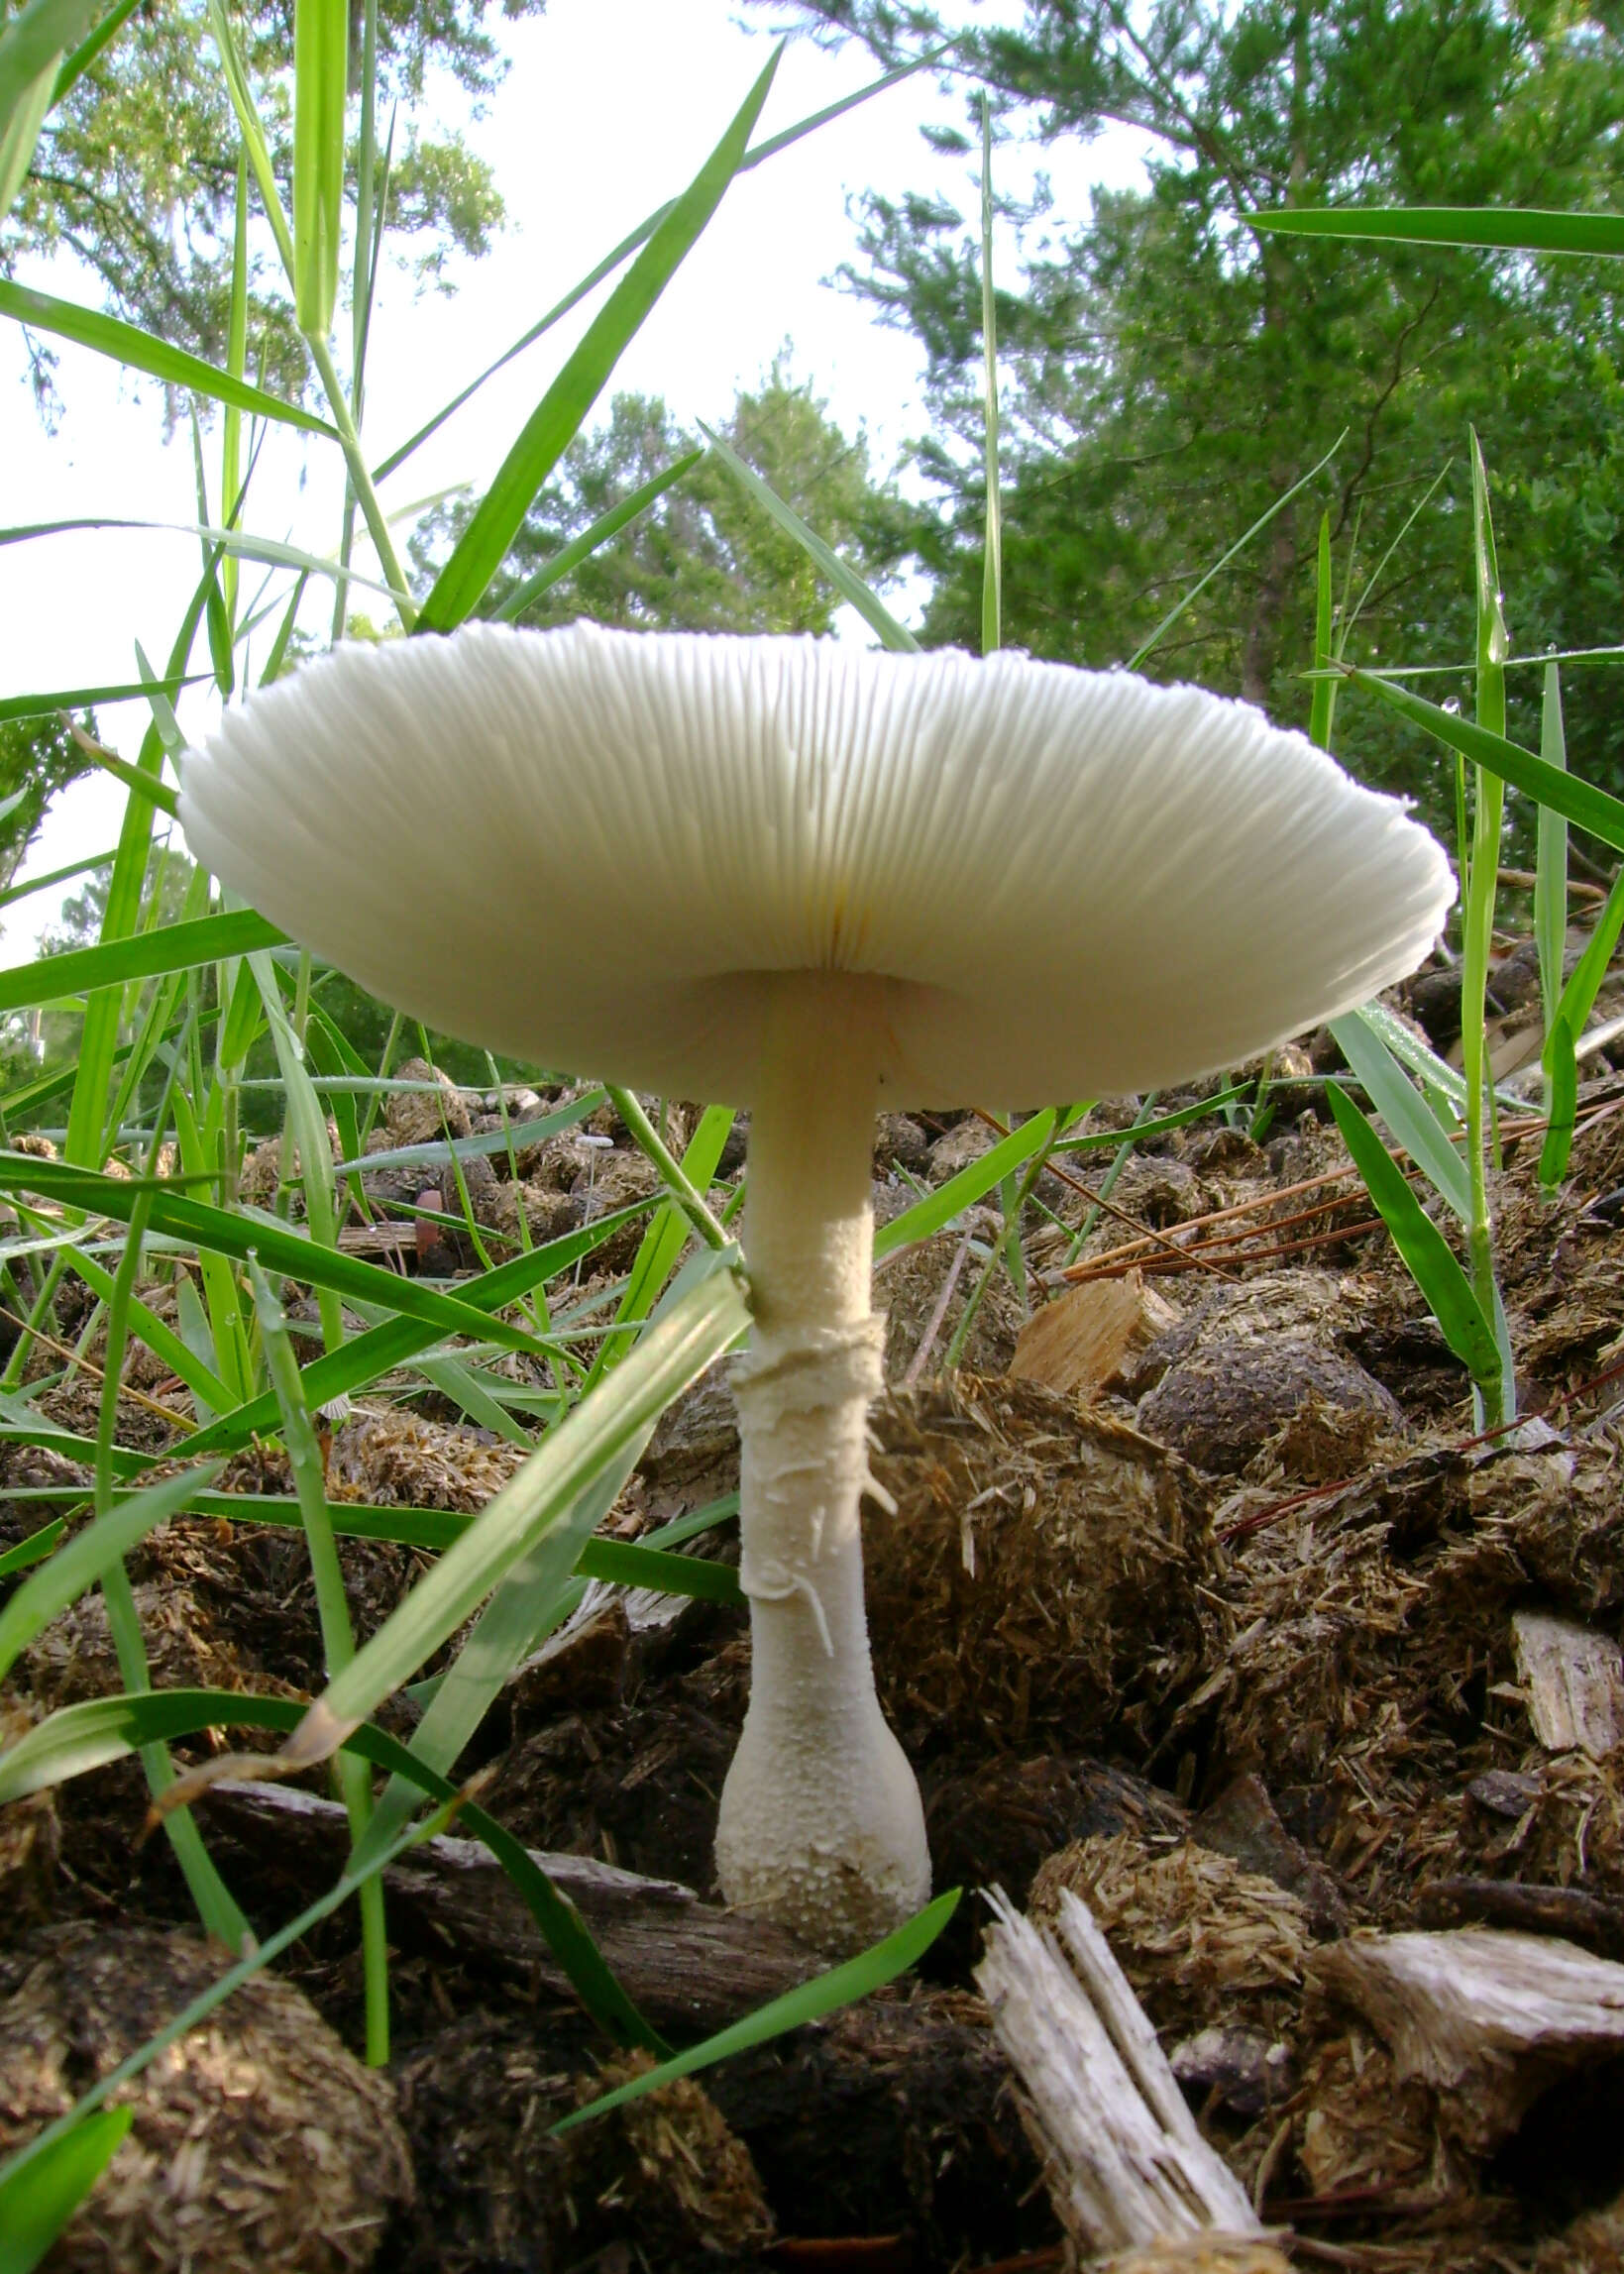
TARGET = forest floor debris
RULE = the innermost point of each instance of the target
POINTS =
(1204, 1602)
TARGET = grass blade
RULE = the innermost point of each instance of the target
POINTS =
(208, 1392)
(277, 1248)
(1411, 1120)
(1477, 916)
(21, 135)
(337, 1635)
(1579, 994)
(1578, 801)
(321, 60)
(34, 1549)
(99, 1036)
(582, 1447)
(640, 236)
(623, 1562)
(304, 1135)
(140, 351)
(32, 42)
(148, 954)
(37, 2201)
(462, 581)
(1322, 710)
(86, 698)
(230, 425)
(841, 1986)
(992, 557)
(90, 1552)
(92, 45)
(1551, 864)
(252, 132)
(846, 582)
(216, 1907)
(365, 1357)
(1559, 1058)
(1562, 1103)
(436, 1153)
(664, 1239)
(570, 557)
(269, 552)
(78, 1738)
(529, 1604)
(1491, 228)
(1222, 563)
(1427, 1254)
(972, 1183)
(1561, 1083)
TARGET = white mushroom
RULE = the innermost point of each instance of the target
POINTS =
(811, 881)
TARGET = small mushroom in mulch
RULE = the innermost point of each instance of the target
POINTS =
(258, 2145)
(818, 883)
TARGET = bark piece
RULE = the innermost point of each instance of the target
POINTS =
(1242, 1822)
(1487, 2019)
(1088, 1339)
(687, 1964)
(1575, 1678)
(1128, 2168)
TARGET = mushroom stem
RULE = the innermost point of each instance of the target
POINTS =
(820, 1828)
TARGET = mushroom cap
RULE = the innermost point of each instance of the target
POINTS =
(592, 850)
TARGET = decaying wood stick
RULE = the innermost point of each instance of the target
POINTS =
(1566, 1913)
(687, 1964)
(1128, 2169)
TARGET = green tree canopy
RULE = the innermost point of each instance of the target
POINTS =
(704, 557)
(37, 756)
(1169, 373)
(136, 169)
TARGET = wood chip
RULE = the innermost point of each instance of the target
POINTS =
(1487, 2019)
(1575, 1680)
(1086, 1341)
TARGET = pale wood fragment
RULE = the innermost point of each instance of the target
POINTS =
(1206, 2254)
(1575, 1678)
(1128, 2168)
(1487, 2019)
(1084, 1342)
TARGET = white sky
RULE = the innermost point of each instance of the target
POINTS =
(609, 108)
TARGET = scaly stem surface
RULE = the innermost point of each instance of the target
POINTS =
(820, 1825)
